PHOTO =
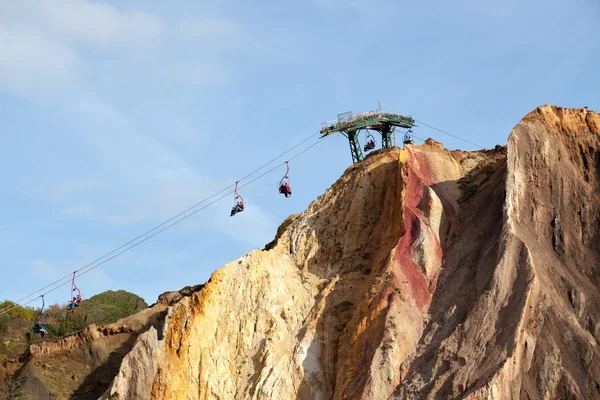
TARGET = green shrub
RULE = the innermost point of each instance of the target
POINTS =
(109, 307)
(104, 308)
(3, 323)
(19, 311)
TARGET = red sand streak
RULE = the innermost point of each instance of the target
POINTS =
(417, 281)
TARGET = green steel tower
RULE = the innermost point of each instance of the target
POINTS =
(350, 125)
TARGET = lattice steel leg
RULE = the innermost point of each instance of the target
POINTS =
(355, 150)
(386, 137)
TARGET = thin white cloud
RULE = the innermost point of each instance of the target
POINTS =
(42, 270)
(124, 147)
(58, 191)
(30, 61)
(98, 110)
(42, 41)
(371, 8)
(86, 210)
(177, 190)
(44, 47)
(195, 74)
(208, 30)
(91, 22)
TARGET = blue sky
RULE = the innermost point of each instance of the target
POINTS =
(114, 116)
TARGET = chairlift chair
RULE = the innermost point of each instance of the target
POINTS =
(284, 184)
(370, 142)
(39, 326)
(74, 301)
(238, 202)
(408, 137)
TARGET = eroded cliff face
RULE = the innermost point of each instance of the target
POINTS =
(420, 274)
(334, 308)
(80, 366)
(515, 313)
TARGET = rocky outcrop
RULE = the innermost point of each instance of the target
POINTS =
(83, 365)
(133, 381)
(170, 298)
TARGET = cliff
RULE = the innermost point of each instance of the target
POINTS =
(420, 274)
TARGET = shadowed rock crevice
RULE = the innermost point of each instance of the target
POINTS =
(96, 383)
(83, 365)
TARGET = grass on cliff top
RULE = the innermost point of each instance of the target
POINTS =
(104, 308)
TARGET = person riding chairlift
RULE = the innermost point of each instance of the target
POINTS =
(238, 200)
(39, 328)
(284, 184)
(76, 302)
(285, 189)
(370, 145)
(239, 207)
(408, 137)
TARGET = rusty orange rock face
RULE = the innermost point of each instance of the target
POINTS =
(420, 274)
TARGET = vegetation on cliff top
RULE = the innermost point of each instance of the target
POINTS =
(104, 308)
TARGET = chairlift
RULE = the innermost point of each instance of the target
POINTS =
(284, 184)
(408, 139)
(238, 201)
(74, 301)
(370, 142)
(39, 325)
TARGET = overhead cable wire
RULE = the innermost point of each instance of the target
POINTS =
(418, 137)
(450, 134)
(130, 245)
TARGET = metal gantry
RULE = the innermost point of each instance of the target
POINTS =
(350, 125)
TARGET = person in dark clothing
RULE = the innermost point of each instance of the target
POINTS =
(239, 207)
(38, 328)
(285, 189)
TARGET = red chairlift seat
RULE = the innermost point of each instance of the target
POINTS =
(76, 300)
(284, 184)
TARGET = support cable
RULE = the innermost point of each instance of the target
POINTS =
(450, 134)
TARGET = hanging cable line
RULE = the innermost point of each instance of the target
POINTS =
(162, 227)
(418, 137)
(450, 134)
